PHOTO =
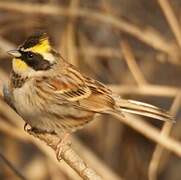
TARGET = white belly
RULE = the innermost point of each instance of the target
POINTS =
(26, 104)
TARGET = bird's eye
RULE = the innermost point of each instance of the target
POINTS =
(29, 55)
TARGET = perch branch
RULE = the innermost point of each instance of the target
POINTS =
(68, 155)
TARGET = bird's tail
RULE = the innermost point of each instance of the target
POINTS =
(144, 109)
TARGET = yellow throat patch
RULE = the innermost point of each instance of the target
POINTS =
(19, 65)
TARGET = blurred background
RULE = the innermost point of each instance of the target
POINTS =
(134, 47)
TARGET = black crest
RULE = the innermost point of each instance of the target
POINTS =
(34, 39)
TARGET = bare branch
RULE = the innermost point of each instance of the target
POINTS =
(69, 156)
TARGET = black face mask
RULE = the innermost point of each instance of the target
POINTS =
(35, 60)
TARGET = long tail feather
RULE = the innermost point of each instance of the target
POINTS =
(144, 109)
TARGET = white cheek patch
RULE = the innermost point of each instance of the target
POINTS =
(49, 57)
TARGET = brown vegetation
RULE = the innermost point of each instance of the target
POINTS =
(131, 46)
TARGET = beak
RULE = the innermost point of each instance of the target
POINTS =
(14, 53)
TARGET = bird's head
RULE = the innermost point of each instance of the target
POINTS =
(34, 55)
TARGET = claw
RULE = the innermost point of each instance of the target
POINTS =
(26, 128)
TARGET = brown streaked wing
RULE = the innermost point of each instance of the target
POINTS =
(100, 98)
(73, 87)
(66, 87)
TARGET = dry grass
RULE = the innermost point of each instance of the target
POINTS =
(138, 58)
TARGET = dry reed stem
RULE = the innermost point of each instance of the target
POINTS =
(132, 64)
(71, 41)
(172, 19)
(100, 52)
(147, 36)
(157, 154)
(89, 60)
(145, 90)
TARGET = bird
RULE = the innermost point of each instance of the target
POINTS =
(53, 96)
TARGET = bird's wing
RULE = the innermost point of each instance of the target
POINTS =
(72, 87)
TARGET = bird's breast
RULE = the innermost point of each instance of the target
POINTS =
(24, 99)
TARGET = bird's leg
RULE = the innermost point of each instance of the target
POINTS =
(60, 145)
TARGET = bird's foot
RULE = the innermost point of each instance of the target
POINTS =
(27, 127)
(63, 142)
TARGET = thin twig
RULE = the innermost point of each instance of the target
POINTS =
(100, 52)
(132, 64)
(12, 167)
(148, 90)
(172, 19)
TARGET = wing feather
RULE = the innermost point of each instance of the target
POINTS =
(74, 87)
